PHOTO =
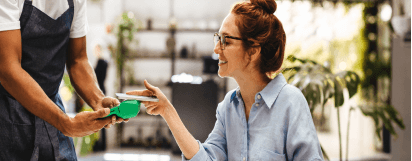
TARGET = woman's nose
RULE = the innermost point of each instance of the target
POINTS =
(217, 48)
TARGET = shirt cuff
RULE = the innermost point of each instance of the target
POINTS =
(78, 34)
(10, 26)
(199, 155)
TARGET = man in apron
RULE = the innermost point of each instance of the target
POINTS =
(33, 55)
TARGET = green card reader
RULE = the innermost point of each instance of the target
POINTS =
(126, 109)
(130, 107)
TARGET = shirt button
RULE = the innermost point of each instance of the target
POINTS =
(244, 158)
(259, 97)
(257, 104)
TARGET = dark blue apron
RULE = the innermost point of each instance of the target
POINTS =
(24, 136)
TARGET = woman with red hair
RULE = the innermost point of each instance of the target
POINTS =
(262, 119)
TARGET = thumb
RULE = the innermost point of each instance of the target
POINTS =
(102, 112)
(110, 102)
(115, 102)
(149, 86)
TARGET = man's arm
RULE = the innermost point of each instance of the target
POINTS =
(81, 73)
(84, 79)
(29, 93)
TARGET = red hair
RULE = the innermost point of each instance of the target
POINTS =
(260, 27)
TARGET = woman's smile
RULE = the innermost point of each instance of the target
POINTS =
(221, 62)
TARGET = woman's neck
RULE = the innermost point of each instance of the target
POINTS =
(250, 84)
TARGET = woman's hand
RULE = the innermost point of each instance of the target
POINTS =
(153, 108)
(184, 139)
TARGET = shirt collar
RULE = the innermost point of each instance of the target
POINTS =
(235, 94)
(272, 90)
(269, 93)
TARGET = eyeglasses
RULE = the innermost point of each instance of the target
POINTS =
(222, 39)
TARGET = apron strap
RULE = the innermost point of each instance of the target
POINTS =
(40, 143)
(24, 17)
(45, 130)
(53, 136)
(70, 3)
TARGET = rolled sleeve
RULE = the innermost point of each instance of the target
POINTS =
(200, 155)
(79, 26)
(9, 15)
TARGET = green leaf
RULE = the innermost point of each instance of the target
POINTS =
(351, 80)
(378, 132)
(386, 113)
(312, 94)
(328, 90)
(296, 69)
(291, 77)
(305, 82)
(338, 86)
(394, 115)
(387, 123)
(353, 84)
(366, 111)
(293, 59)
(324, 153)
(296, 79)
(317, 79)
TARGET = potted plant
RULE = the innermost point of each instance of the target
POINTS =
(318, 84)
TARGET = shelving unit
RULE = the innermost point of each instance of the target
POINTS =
(158, 65)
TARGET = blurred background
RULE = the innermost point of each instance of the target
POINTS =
(350, 58)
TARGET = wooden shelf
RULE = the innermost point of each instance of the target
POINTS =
(179, 30)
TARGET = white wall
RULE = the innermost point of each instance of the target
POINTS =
(401, 88)
(159, 10)
(396, 4)
(401, 98)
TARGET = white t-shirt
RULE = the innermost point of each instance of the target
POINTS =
(10, 11)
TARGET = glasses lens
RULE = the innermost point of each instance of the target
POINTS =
(223, 42)
(216, 39)
(222, 39)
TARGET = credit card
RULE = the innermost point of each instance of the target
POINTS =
(134, 97)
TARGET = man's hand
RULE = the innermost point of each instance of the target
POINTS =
(86, 123)
(110, 102)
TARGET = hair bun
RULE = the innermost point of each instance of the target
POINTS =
(267, 5)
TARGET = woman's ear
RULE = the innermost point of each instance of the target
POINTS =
(255, 54)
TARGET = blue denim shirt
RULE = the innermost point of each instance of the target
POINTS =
(280, 127)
